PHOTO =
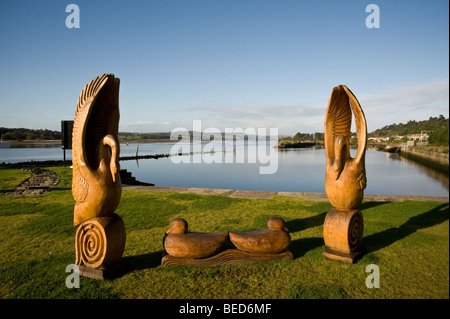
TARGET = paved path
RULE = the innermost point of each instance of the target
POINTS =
(268, 195)
(40, 182)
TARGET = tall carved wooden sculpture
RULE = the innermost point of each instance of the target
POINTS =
(96, 185)
(345, 177)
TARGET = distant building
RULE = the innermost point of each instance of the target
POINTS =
(378, 139)
(422, 137)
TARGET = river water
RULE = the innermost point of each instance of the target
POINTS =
(295, 170)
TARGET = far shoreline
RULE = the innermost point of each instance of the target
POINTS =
(121, 141)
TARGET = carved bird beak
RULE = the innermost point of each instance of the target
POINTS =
(113, 169)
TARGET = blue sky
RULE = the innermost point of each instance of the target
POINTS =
(227, 63)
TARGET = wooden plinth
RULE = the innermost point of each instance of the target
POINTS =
(342, 234)
(351, 257)
(226, 257)
(101, 273)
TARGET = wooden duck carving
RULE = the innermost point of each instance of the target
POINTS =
(96, 184)
(273, 240)
(345, 178)
(179, 242)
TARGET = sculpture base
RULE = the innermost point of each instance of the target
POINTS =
(99, 245)
(350, 258)
(343, 234)
(111, 272)
(226, 257)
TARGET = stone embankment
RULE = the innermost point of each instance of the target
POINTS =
(435, 156)
(439, 161)
(40, 182)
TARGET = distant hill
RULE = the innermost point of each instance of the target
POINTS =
(412, 127)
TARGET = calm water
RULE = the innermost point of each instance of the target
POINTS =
(299, 170)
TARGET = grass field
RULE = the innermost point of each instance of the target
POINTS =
(408, 241)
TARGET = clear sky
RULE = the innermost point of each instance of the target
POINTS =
(228, 63)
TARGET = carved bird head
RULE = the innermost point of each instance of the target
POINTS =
(276, 223)
(177, 226)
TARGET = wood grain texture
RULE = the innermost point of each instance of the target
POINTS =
(227, 257)
(345, 177)
(343, 230)
(273, 240)
(182, 247)
(96, 185)
(179, 242)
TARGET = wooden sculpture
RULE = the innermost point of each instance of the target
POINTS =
(96, 185)
(181, 243)
(274, 240)
(345, 177)
(182, 247)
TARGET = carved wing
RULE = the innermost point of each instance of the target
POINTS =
(338, 120)
(361, 125)
(99, 106)
(361, 133)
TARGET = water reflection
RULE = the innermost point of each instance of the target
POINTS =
(25, 152)
(36, 145)
(438, 176)
(299, 170)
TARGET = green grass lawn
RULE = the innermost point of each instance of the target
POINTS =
(409, 241)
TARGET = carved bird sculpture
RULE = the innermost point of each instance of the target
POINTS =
(179, 242)
(96, 184)
(345, 177)
(273, 240)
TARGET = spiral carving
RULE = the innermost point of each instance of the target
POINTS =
(91, 244)
(100, 242)
(355, 231)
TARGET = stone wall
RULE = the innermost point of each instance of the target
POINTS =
(434, 156)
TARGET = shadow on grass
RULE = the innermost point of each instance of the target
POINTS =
(301, 246)
(372, 243)
(140, 262)
(305, 223)
(371, 204)
(318, 220)
(385, 238)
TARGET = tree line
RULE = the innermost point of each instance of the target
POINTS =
(143, 136)
(20, 134)
(411, 127)
(438, 128)
(305, 137)
(440, 136)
